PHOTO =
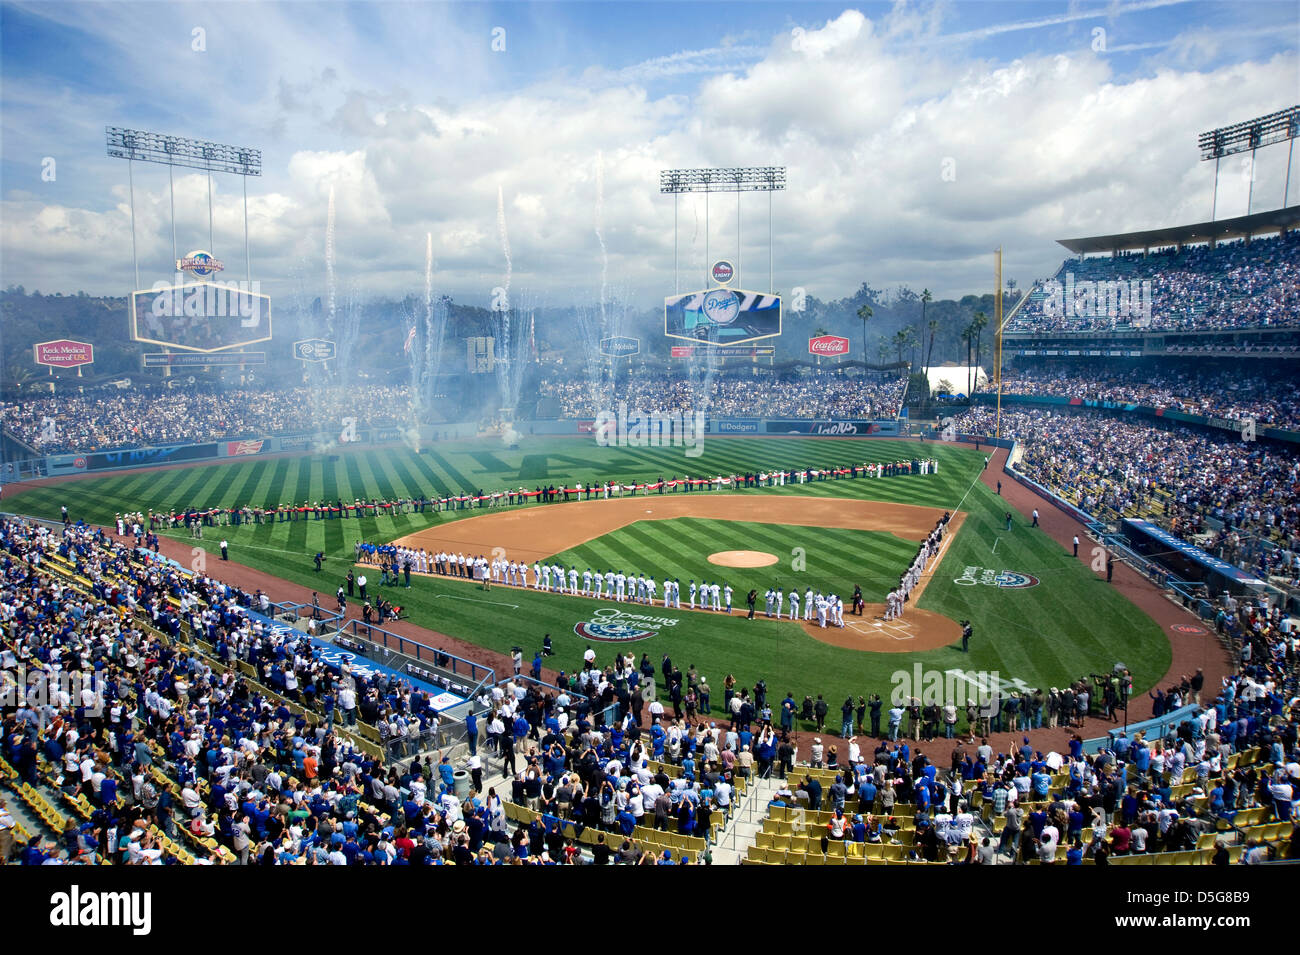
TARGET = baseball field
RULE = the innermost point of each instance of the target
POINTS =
(1040, 617)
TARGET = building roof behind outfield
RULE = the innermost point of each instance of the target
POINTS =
(1220, 230)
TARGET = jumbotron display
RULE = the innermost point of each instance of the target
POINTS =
(722, 316)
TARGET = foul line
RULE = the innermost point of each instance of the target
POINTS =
(995, 545)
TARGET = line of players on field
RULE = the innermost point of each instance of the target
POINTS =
(621, 587)
(929, 547)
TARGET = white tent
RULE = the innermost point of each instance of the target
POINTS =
(955, 379)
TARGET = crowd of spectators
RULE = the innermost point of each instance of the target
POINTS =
(172, 736)
(1233, 285)
(782, 396)
(1244, 493)
(108, 419)
(1139, 792)
(1271, 399)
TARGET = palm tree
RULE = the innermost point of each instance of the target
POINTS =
(980, 322)
(968, 336)
(864, 312)
(926, 298)
(900, 342)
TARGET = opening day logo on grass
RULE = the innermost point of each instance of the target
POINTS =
(616, 626)
(1009, 579)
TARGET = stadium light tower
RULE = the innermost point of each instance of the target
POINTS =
(736, 179)
(1282, 126)
(136, 145)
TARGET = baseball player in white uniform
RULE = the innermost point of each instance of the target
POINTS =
(716, 591)
(808, 604)
(537, 576)
(609, 585)
(780, 603)
(794, 605)
(650, 588)
(727, 591)
(573, 580)
(586, 582)
(692, 594)
(620, 583)
(822, 606)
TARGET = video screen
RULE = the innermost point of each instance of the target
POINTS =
(722, 316)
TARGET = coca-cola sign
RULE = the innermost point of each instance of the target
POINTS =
(63, 353)
(828, 345)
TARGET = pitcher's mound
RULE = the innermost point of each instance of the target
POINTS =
(742, 558)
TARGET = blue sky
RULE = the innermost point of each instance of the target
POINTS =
(1054, 119)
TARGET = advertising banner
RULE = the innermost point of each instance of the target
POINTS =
(141, 457)
(846, 429)
(197, 360)
(620, 346)
(236, 449)
(828, 346)
(63, 353)
(736, 426)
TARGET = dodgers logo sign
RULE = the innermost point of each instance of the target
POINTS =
(722, 307)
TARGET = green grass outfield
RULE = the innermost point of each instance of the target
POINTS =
(1069, 625)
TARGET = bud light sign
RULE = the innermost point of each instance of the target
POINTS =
(828, 345)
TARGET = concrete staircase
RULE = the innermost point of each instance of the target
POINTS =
(746, 820)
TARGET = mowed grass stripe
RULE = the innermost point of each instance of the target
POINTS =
(249, 477)
(456, 481)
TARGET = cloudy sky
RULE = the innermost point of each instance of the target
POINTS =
(918, 137)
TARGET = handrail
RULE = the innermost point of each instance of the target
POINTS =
(477, 673)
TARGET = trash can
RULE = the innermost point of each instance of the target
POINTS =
(460, 784)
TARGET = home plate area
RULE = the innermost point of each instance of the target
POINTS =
(915, 631)
(897, 629)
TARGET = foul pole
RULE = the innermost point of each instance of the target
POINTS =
(997, 318)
